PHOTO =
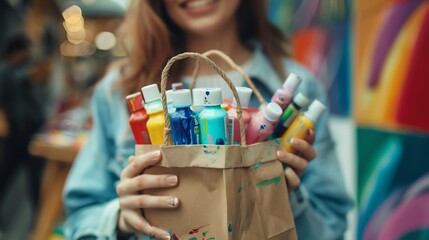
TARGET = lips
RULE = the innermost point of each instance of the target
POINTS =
(193, 4)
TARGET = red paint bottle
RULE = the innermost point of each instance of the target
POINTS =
(138, 118)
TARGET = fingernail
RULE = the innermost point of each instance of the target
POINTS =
(166, 237)
(172, 180)
(295, 142)
(281, 154)
(156, 154)
(172, 202)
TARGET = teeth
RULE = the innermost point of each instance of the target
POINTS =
(198, 3)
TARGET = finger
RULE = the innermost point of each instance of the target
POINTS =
(145, 181)
(310, 137)
(297, 163)
(292, 179)
(139, 163)
(139, 224)
(304, 148)
(148, 201)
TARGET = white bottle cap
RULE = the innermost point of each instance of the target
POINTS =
(212, 96)
(315, 111)
(151, 93)
(301, 100)
(198, 96)
(182, 98)
(244, 93)
(273, 112)
(292, 82)
(169, 95)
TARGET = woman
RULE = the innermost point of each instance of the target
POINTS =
(102, 191)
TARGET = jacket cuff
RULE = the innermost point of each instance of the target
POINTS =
(298, 200)
(109, 219)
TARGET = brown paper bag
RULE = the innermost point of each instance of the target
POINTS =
(226, 192)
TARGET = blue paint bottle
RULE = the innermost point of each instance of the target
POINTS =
(213, 118)
(185, 125)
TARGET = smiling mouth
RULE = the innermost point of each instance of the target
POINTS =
(191, 4)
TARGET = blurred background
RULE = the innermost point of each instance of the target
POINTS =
(372, 56)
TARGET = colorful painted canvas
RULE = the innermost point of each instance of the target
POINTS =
(391, 69)
(320, 35)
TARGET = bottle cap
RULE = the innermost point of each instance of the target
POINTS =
(198, 96)
(135, 101)
(315, 111)
(244, 93)
(176, 86)
(301, 100)
(273, 112)
(151, 93)
(182, 98)
(169, 95)
(212, 96)
(292, 82)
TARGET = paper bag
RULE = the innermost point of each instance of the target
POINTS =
(232, 192)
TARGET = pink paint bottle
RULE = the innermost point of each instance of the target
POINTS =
(244, 93)
(262, 124)
(284, 95)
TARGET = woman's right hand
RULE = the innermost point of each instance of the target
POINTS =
(132, 201)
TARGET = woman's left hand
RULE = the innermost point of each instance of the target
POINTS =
(298, 162)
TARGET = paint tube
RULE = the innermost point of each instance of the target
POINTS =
(299, 102)
(302, 124)
(262, 124)
(155, 124)
(185, 126)
(138, 118)
(244, 94)
(213, 119)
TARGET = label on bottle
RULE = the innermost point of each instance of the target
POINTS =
(290, 119)
(197, 130)
(230, 130)
(145, 137)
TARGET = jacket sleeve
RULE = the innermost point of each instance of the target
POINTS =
(89, 196)
(320, 205)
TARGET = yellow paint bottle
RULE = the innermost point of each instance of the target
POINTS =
(302, 124)
(155, 124)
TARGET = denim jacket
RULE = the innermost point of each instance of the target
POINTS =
(319, 206)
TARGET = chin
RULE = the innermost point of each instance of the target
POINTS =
(204, 27)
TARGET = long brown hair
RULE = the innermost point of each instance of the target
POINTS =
(151, 38)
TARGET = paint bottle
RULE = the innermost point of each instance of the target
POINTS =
(170, 106)
(177, 86)
(138, 118)
(155, 124)
(262, 124)
(213, 118)
(185, 125)
(299, 102)
(302, 124)
(198, 95)
(284, 95)
(244, 93)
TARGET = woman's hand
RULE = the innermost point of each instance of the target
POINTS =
(132, 201)
(298, 162)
